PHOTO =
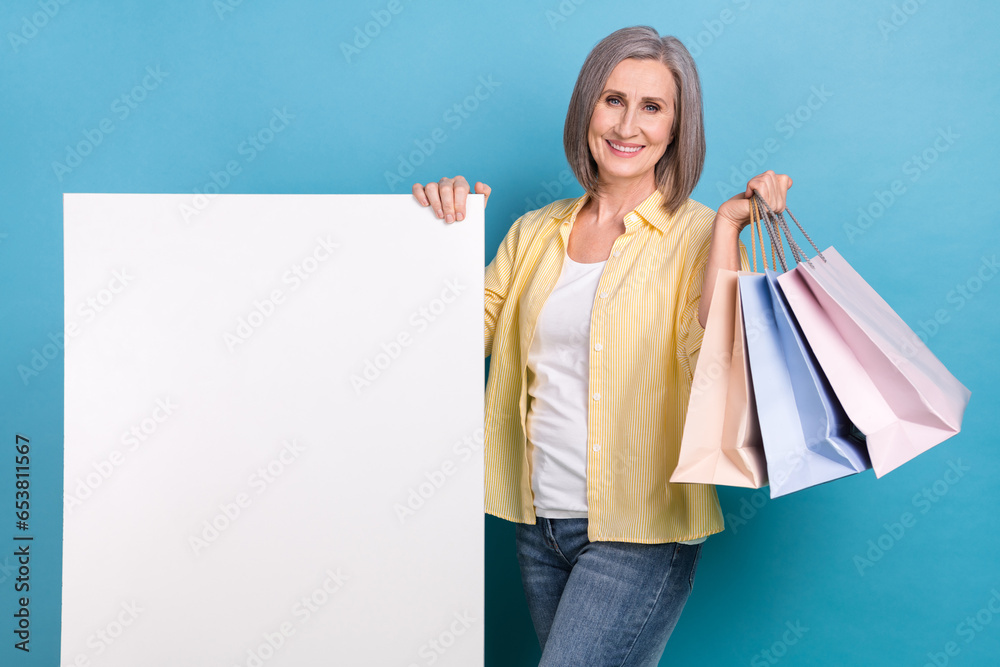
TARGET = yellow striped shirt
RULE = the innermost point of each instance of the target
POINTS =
(644, 340)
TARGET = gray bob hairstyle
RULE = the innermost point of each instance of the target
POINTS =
(679, 169)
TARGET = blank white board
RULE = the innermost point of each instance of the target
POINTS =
(273, 432)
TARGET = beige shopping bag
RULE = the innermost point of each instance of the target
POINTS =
(721, 443)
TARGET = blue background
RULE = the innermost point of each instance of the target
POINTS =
(877, 107)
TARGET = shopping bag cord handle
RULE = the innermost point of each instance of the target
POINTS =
(779, 223)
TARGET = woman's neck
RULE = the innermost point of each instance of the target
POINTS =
(613, 201)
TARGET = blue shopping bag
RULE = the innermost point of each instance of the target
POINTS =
(807, 437)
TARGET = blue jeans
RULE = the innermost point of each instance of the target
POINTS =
(601, 604)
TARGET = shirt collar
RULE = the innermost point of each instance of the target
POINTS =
(650, 209)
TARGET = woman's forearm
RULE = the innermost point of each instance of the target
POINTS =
(733, 216)
(723, 253)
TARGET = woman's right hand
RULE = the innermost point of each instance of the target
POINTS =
(447, 196)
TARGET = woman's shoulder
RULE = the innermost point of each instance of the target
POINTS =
(560, 208)
(696, 213)
(557, 210)
(697, 222)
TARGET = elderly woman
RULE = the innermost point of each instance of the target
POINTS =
(594, 318)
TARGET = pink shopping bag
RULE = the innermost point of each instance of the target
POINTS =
(890, 384)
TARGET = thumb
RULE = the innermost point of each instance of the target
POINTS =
(483, 189)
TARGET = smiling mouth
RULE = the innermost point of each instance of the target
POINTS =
(624, 149)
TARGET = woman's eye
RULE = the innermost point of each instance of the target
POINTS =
(653, 107)
(613, 100)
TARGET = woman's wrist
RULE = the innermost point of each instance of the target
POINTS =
(726, 225)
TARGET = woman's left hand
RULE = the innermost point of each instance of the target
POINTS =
(771, 186)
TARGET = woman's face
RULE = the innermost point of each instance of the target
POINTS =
(630, 128)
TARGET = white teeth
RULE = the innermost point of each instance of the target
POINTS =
(624, 149)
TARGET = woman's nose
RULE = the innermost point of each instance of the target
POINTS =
(627, 123)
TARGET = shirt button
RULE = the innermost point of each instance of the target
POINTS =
(617, 253)
(598, 347)
(597, 397)
(597, 448)
(604, 295)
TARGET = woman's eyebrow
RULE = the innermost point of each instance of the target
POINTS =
(621, 94)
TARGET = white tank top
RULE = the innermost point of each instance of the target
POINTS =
(558, 372)
(558, 365)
